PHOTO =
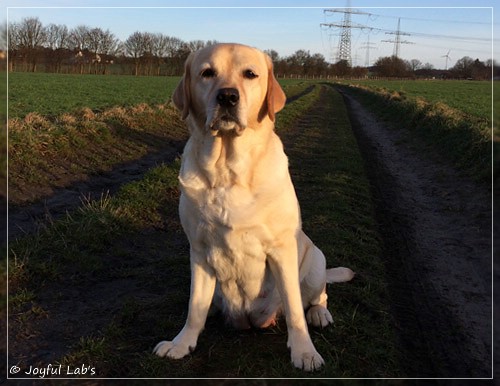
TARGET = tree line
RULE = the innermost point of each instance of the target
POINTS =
(55, 48)
(464, 68)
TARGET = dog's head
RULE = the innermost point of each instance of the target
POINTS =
(227, 88)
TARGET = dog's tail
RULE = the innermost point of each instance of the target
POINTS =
(339, 274)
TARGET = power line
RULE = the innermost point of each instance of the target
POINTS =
(368, 46)
(420, 34)
(429, 20)
(345, 27)
(433, 20)
(397, 41)
(344, 48)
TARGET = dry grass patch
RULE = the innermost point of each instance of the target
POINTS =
(76, 145)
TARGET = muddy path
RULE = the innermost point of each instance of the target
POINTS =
(436, 226)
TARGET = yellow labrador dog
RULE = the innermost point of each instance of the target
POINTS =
(239, 209)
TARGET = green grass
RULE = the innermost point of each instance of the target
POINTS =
(49, 153)
(3, 133)
(471, 97)
(463, 139)
(121, 263)
(496, 134)
(496, 107)
(54, 94)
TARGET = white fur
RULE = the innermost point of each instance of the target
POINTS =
(239, 210)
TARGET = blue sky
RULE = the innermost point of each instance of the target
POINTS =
(433, 30)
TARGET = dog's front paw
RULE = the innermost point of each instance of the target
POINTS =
(308, 361)
(319, 316)
(172, 350)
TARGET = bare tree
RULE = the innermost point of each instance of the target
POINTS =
(415, 64)
(109, 43)
(101, 43)
(58, 43)
(135, 45)
(159, 49)
(195, 45)
(3, 37)
(31, 32)
(273, 55)
(109, 47)
(13, 44)
(173, 46)
(175, 56)
(79, 38)
(57, 36)
(31, 37)
(79, 42)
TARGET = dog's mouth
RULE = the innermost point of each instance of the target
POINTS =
(226, 123)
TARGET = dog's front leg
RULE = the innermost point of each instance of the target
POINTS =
(202, 291)
(284, 266)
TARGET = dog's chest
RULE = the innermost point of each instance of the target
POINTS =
(235, 241)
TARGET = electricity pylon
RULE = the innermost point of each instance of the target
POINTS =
(344, 48)
(397, 41)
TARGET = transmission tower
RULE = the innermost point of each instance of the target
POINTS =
(344, 48)
(344, 51)
(368, 46)
(397, 41)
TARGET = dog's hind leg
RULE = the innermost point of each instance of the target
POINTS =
(313, 289)
(313, 279)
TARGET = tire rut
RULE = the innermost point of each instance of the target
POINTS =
(436, 226)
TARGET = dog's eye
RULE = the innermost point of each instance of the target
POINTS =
(208, 73)
(249, 74)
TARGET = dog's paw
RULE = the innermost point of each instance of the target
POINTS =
(308, 361)
(319, 316)
(171, 350)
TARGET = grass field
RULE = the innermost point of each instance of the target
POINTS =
(55, 94)
(107, 282)
(53, 150)
(471, 97)
(28, 92)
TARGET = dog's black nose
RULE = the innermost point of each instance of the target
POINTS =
(228, 97)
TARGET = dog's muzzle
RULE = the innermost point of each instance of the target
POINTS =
(226, 115)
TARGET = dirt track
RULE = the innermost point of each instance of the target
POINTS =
(436, 227)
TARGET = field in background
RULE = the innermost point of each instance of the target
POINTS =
(461, 135)
(471, 97)
(54, 94)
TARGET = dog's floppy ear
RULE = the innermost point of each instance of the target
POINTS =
(275, 97)
(182, 93)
